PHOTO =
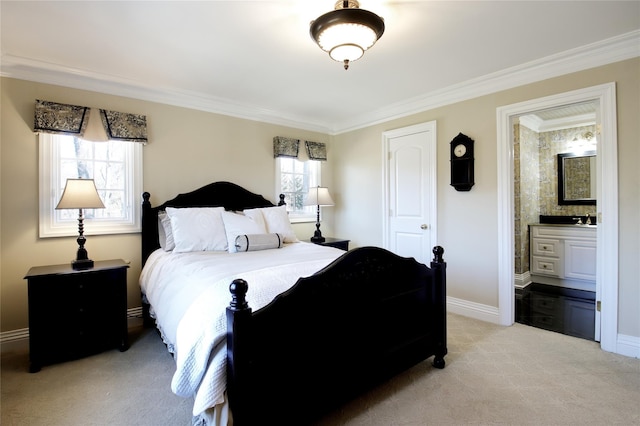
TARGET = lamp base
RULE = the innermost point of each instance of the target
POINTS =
(317, 239)
(80, 264)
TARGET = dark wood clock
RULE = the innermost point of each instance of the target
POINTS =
(462, 163)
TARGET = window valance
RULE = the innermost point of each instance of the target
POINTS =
(53, 117)
(289, 147)
(316, 150)
(285, 147)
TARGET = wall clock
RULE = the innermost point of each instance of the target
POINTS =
(462, 163)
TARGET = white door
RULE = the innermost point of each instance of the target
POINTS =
(410, 191)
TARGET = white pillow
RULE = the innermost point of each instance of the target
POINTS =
(165, 235)
(197, 229)
(238, 224)
(276, 220)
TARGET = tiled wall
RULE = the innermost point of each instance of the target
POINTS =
(536, 180)
(527, 192)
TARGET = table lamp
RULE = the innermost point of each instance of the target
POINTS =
(318, 196)
(80, 194)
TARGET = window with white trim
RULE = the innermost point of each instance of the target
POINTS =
(293, 179)
(115, 166)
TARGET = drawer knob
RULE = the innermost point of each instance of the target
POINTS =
(544, 247)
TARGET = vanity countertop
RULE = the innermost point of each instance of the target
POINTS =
(566, 225)
(568, 220)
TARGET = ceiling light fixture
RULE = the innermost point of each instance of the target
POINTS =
(347, 32)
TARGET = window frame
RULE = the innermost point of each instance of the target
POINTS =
(52, 225)
(309, 213)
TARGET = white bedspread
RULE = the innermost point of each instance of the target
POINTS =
(189, 293)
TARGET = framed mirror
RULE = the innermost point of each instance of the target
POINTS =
(577, 178)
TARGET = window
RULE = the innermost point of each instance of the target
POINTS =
(116, 167)
(293, 179)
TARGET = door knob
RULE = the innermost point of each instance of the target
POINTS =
(424, 226)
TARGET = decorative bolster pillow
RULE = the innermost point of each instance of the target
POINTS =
(253, 242)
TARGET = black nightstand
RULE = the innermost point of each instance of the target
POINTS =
(334, 242)
(74, 313)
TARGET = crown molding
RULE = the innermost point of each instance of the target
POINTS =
(616, 49)
(604, 52)
(43, 72)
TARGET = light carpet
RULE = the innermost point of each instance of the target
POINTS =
(495, 375)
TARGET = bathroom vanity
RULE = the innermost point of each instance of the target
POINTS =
(563, 272)
(564, 255)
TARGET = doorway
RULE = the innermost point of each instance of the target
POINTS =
(554, 259)
(607, 208)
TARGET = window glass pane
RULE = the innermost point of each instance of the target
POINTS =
(115, 167)
(295, 178)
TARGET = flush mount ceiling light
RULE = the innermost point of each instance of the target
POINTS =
(347, 32)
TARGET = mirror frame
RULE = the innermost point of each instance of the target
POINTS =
(561, 199)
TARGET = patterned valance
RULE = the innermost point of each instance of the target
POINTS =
(285, 147)
(316, 150)
(289, 147)
(121, 126)
(52, 117)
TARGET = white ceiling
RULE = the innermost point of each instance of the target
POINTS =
(255, 59)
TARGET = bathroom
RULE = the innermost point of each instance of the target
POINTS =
(543, 300)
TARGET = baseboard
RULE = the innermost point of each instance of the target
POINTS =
(520, 281)
(473, 310)
(19, 339)
(628, 346)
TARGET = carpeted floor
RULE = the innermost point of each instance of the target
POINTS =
(495, 375)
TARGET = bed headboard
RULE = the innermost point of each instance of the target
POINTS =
(217, 194)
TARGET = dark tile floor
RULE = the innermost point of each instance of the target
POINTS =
(558, 309)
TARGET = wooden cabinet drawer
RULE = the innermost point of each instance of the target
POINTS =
(545, 247)
(546, 266)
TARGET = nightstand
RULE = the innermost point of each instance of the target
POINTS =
(75, 313)
(335, 242)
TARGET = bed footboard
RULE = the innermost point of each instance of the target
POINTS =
(364, 318)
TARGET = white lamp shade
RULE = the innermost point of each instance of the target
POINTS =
(80, 194)
(318, 196)
(358, 37)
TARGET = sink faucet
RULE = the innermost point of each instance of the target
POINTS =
(588, 219)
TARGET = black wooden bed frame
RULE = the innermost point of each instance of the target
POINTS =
(364, 318)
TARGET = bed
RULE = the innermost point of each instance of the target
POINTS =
(285, 331)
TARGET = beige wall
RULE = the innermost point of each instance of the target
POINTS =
(187, 149)
(190, 148)
(467, 222)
